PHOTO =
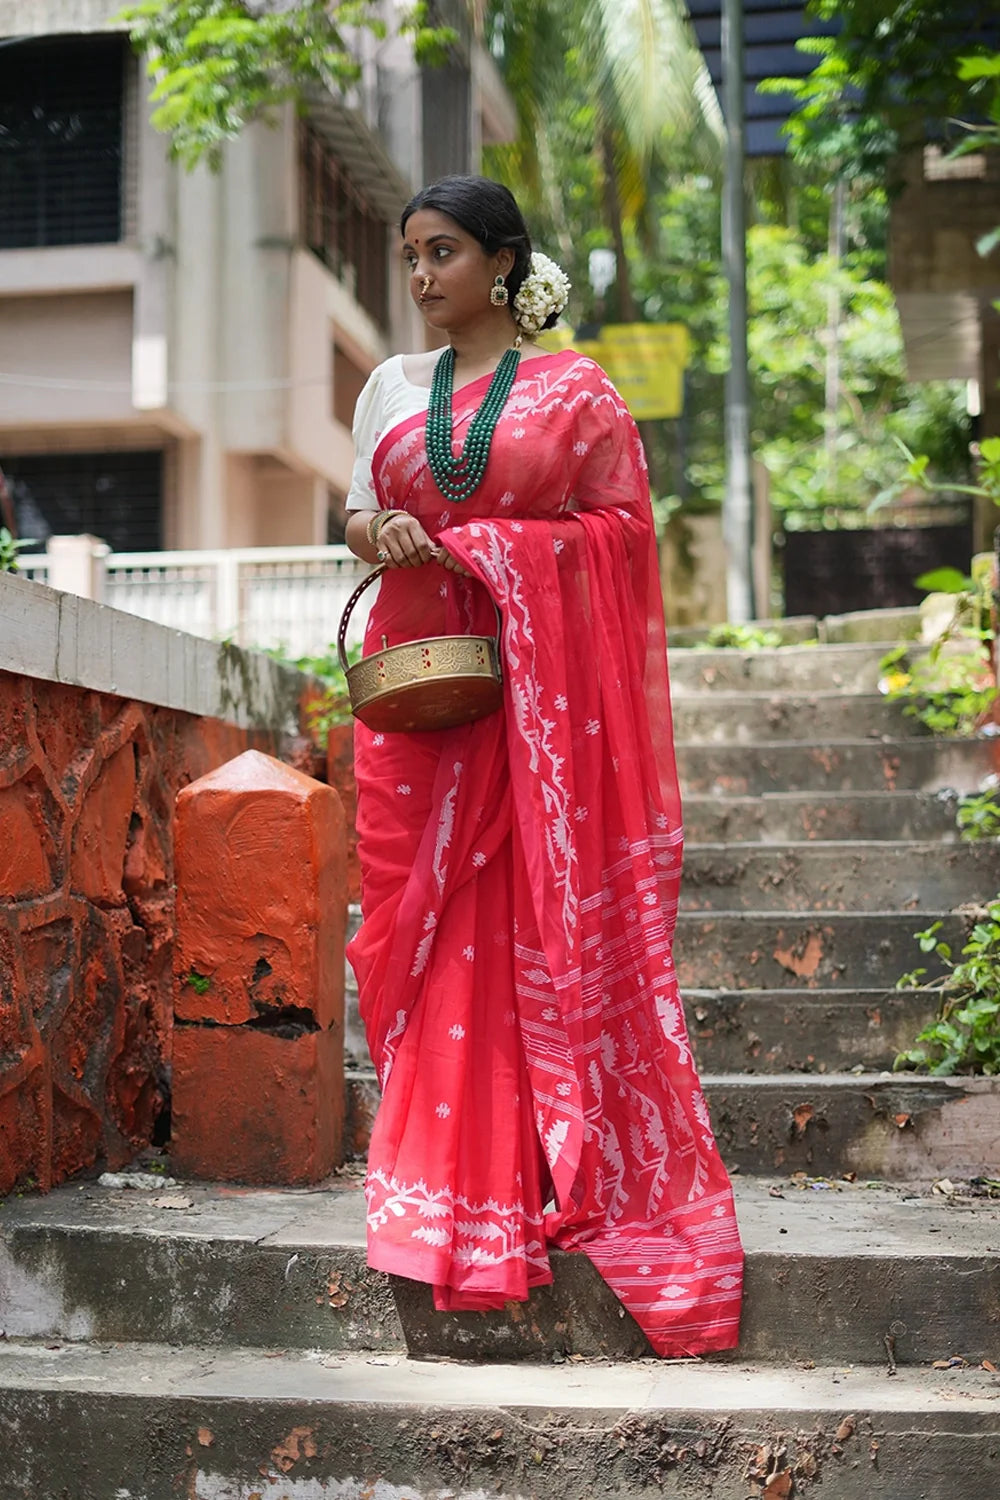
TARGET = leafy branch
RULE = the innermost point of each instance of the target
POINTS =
(916, 474)
(218, 64)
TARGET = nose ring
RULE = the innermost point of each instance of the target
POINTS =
(425, 286)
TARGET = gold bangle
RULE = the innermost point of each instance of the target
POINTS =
(379, 520)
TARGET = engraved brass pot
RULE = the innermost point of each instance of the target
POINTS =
(428, 684)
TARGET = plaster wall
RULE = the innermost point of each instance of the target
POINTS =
(322, 310)
(83, 340)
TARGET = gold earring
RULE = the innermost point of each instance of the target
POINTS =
(499, 295)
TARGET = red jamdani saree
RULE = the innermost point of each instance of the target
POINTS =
(520, 881)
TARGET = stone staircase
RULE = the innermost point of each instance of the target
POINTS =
(225, 1344)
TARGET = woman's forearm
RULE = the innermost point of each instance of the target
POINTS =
(356, 535)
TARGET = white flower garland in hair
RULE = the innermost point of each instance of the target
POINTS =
(544, 291)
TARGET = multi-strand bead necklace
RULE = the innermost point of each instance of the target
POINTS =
(458, 478)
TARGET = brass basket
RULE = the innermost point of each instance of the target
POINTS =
(429, 684)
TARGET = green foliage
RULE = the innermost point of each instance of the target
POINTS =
(789, 285)
(218, 64)
(978, 814)
(10, 549)
(742, 637)
(200, 983)
(944, 581)
(895, 68)
(950, 688)
(917, 470)
(330, 706)
(965, 1036)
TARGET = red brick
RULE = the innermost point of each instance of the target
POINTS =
(25, 1133)
(261, 895)
(340, 775)
(68, 721)
(77, 1134)
(16, 752)
(145, 859)
(24, 868)
(16, 1029)
(99, 840)
(249, 1105)
(49, 957)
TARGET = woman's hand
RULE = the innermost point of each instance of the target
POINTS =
(451, 563)
(405, 543)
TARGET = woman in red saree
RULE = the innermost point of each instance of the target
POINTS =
(521, 873)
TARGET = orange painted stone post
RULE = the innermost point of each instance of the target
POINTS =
(258, 1067)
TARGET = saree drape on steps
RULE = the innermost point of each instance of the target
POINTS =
(520, 884)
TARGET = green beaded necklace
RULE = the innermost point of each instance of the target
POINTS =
(458, 478)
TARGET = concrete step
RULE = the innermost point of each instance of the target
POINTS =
(791, 629)
(784, 817)
(851, 668)
(900, 1127)
(790, 950)
(903, 1127)
(814, 718)
(885, 626)
(804, 1031)
(832, 1268)
(837, 876)
(830, 954)
(152, 1423)
(926, 765)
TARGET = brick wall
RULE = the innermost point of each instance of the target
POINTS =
(87, 786)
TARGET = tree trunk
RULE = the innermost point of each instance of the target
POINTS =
(833, 337)
(613, 211)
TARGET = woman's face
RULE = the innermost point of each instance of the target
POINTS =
(450, 273)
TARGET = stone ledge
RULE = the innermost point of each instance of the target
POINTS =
(150, 1421)
(61, 638)
(830, 1266)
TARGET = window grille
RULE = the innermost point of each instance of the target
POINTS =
(341, 226)
(115, 496)
(61, 141)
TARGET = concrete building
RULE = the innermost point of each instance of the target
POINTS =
(180, 352)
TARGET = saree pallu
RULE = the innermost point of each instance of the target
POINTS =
(520, 881)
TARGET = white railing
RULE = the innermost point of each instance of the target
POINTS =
(284, 598)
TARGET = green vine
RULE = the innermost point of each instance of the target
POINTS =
(978, 813)
(965, 1035)
(330, 705)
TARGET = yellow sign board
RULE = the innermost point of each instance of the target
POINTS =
(645, 361)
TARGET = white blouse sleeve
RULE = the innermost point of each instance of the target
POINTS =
(366, 430)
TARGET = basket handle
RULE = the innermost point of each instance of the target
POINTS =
(352, 601)
(345, 617)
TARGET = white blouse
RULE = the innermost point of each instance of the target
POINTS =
(387, 398)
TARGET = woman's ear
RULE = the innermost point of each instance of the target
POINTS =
(504, 260)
